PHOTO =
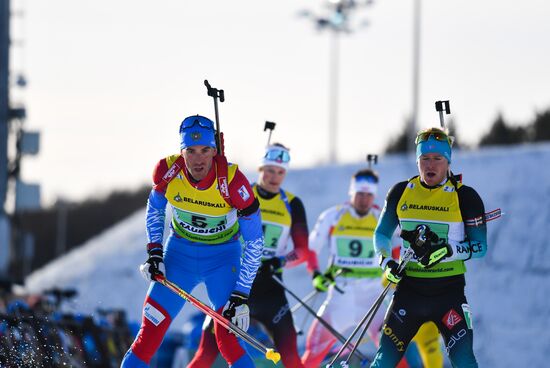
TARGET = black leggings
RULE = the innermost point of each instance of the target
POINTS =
(409, 309)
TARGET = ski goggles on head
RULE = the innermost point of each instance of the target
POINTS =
(434, 141)
(197, 130)
(276, 156)
(196, 120)
(440, 136)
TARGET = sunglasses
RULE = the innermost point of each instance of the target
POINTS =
(277, 155)
(191, 121)
(437, 135)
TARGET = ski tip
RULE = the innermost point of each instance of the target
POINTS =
(273, 355)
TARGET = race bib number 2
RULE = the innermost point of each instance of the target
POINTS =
(272, 234)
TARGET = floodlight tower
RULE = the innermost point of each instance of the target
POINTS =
(337, 21)
(15, 142)
(4, 117)
(413, 122)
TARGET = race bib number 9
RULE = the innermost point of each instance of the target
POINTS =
(356, 248)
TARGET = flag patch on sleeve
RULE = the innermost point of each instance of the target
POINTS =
(243, 192)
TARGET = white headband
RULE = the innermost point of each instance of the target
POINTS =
(362, 185)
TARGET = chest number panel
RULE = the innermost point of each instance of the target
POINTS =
(272, 234)
(355, 248)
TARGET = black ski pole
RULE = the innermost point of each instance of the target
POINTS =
(215, 94)
(315, 292)
(325, 324)
(444, 106)
(294, 309)
(271, 126)
(306, 299)
(298, 305)
(372, 159)
(441, 106)
(376, 306)
(372, 311)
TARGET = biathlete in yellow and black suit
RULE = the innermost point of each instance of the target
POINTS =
(348, 232)
(283, 218)
(443, 221)
(213, 206)
(426, 339)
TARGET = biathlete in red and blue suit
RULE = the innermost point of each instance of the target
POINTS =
(212, 206)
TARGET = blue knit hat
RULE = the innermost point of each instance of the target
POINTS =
(197, 130)
(432, 145)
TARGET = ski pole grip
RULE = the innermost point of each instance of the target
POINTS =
(214, 92)
(372, 158)
(208, 88)
(269, 125)
(443, 106)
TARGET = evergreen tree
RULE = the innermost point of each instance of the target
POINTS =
(84, 220)
(453, 132)
(400, 143)
(541, 127)
(502, 134)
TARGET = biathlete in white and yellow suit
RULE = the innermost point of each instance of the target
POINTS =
(212, 206)
(348, 231)
(283, 219)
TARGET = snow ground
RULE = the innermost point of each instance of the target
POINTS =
(507, 290)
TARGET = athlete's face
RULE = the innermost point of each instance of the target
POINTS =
(271, 178)
(362, 202)
(433, 168)
(198, 160)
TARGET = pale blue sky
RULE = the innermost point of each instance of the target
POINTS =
(110, 81)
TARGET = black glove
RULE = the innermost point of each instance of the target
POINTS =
(273, 264)
(236, 310)
(392, 273)
(154, 265)
(427, 247)
(322, 281)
